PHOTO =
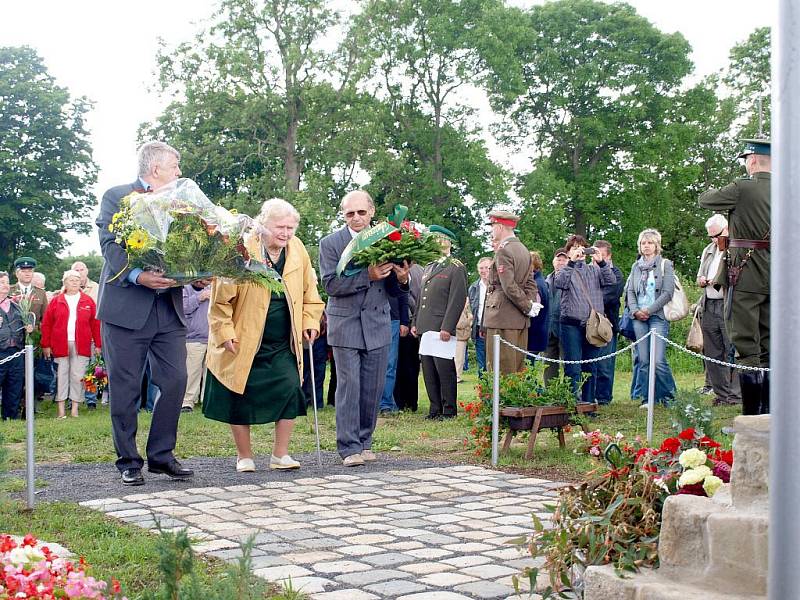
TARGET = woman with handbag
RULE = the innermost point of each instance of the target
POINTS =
(581, 299)
(650, 287)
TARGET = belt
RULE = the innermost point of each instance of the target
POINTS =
(752, 244)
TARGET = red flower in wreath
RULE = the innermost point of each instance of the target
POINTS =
(395, 236)
(708, 442)
(671, 445)
(687, 434)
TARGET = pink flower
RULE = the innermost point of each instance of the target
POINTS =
(595, 451)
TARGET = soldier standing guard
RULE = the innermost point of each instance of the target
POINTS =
(442, 299)
(746, 276)
(511, 296)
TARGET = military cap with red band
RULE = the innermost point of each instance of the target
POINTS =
(503, 217)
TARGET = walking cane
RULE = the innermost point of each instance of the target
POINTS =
(314, 397)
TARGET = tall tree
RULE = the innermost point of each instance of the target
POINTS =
(749, 77)
(46, 168)
(593, 81)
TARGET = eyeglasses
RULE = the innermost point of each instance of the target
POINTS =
(352, 213)
(713, 237)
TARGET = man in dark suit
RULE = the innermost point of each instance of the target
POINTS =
(141, 314)
(444, 293)
(604, 376)
(477, 297)
(359, 330)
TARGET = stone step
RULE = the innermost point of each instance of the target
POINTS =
(750, 475)
(602, 583)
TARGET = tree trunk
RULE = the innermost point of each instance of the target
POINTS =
(291, 165)
(438, 170)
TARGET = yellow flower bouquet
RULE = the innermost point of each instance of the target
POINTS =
(177, 230)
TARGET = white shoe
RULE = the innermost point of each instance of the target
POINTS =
(284, 462)
(368, 455)
(245, 465)
(354, 460)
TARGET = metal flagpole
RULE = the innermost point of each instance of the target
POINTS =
(314, 397)
(784, 481)
(495, 397)
(651, 387)
(30, 473)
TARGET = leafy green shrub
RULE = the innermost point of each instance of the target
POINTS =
(689, 410)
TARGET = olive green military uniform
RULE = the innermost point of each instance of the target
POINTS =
(509, 298)
(442, 298)
(38, 302)
(747, 202)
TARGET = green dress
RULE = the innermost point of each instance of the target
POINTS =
(273, 389)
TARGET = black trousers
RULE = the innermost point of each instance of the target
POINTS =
(12, 379)
(406, 385)
(126, 350)
(441, 384)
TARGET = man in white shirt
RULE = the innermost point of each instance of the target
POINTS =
(477, 297)
(716, 343)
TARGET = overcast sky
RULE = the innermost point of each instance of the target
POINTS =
(106, 51)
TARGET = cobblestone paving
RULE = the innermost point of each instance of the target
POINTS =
(438, 533)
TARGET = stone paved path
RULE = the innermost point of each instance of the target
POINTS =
(438, 533)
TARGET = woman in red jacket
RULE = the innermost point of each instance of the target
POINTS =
(68, 328)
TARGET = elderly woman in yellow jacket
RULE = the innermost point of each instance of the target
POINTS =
(255, 341)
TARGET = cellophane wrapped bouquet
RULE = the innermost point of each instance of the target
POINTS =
(177, 230)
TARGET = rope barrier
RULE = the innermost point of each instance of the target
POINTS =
(576, 362)
(12, 357)
(711, 360)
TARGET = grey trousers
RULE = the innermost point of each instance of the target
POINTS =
(717, 345)
(163, 340)
(360, 376)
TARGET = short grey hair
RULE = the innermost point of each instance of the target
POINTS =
(717, 220)
(277, 208)
(38, 274)
(69, 273)
(348, 195)
(484, 259)
(650, 234)
(154, 153)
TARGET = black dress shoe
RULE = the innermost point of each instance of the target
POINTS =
(132, 477)
(173, 469)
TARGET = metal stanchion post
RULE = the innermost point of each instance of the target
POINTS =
(29, 418)
(314, 399)
(784, 477)
(495, 397)
(651, 387)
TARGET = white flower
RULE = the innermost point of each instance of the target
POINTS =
(22, 556)
(711, 484)
(619, 436)
(695, 475)
(692, 458)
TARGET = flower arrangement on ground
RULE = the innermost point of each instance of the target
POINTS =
(30, 570)
(177, 230)
(614, 515)
(394, 240)
(95, 380)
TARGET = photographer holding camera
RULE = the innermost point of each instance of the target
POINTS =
(581, 286)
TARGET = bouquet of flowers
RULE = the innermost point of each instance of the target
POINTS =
(389, 242)
(177, 230)
(29, 570)
(95, 380)
(24, 302)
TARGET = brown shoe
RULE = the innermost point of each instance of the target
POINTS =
(354, 460)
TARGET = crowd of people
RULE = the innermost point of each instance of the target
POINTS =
(245, 354)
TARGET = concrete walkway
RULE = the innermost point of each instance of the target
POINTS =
(431, 533)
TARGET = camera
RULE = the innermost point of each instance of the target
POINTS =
(590, 250)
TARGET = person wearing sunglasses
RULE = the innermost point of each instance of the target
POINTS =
(359, 330)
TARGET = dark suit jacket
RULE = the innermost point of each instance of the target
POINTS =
(444, 293)
(121, 302)
(357, 309)
(539, 329)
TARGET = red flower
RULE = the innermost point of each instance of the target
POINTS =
(695, 489)
(29, 540)
(687, 434)
(707, 441)
(395, 236)
(671, 445)
(725, 456)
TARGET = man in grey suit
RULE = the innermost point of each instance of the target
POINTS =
(142, 319)
(359, 330)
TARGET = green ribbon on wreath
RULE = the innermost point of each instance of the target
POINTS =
(368, 237)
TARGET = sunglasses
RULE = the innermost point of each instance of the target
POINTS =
(352, 213)
(713, 237)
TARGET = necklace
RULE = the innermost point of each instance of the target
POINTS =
(272, 257)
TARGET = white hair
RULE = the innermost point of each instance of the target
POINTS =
(40, 275)
(154, 153)
(717, 220)
(277, 208)
(69, 273)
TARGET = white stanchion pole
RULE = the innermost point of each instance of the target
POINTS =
(30, 470)
(651, 387)
(784, 477)
(495, 397)
(314, 399)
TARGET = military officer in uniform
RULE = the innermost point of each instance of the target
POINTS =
(23, 269)
(511, 296)
(442, 299)
(746, 273)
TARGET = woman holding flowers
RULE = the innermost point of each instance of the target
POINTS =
(69, 326)
(255, 341)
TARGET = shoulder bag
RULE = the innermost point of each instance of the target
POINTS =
(599, 331)
(678, 306)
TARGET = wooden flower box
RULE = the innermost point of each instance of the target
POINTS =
(536, 418)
